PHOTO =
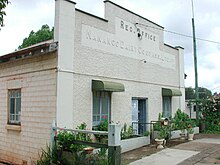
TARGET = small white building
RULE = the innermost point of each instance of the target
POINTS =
(116, 68)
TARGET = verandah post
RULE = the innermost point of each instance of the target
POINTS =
(114, 147)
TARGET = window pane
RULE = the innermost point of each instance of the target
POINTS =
(17, 94)
(105, 106)
(12, 105)
(96, 109)
(18, 109)
(167, 107)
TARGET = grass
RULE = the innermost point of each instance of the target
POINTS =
(218, 158)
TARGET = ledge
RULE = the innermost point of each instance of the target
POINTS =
(13, 127)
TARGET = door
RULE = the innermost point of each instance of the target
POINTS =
(142, 116)
(139, 115)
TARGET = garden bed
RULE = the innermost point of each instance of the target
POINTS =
(174, 134)
(134, 143)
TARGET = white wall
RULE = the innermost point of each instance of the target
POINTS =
(93, 60)
(64, 34)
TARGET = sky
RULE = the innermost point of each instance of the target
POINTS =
(174, 15)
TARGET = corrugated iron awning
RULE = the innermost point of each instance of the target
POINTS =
(99, 85)
(171, 92)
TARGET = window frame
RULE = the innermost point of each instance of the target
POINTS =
(167, 101)
(17, 119)
(102, 94)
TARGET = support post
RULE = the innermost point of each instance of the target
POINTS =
(195, 65)
(114, 148)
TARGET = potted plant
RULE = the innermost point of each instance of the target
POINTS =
(180, 121)
(190, 132)
(163, 136)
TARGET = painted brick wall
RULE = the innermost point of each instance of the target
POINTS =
(140, 79)
(36, 76)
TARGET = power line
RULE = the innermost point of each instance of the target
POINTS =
(215, 88)
(180, 34)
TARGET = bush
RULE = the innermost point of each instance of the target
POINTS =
(65, 139)
(126, 133)
(180, 120)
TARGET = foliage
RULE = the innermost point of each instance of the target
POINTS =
(89, 159)
(3, 4)
(64, 152)
(45, 33)
(158, 124)
(210, 114)
(204, 93)
(190, 130)
(65, 138)
(146, 133)
(58, 157)
(189, 93)
(164, 132)
(126, 133)
(53, 155)
(180, 120)
(103, 126)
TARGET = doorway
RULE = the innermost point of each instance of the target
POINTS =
(139, 115)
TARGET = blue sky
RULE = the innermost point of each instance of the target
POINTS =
(174, 15)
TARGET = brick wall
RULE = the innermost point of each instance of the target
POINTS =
(36, 76)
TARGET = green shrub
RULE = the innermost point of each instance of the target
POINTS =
(180, 120)
(53, 155)
(103, 126)
(126, 133)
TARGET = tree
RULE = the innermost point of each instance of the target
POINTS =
(189, 93)
(204, 93)
(45, 33)
(3, 4)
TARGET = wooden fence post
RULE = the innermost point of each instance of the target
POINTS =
(114, 148)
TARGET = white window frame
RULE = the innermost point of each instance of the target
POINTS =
(15, 117)
(100, 115)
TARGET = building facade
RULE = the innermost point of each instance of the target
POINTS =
(115, 68)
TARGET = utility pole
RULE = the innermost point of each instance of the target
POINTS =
(195, 62)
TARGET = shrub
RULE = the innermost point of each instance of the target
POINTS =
(180, 120)
(126, 133)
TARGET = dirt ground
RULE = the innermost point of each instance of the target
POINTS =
(136, 154)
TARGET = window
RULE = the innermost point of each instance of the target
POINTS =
(101, 107)
(167, 113)
(14, 106)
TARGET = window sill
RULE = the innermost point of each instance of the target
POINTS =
(13, 127)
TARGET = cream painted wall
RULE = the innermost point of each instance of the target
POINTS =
(96, 61)
(64, 34)
(140, 79)
(36, 76)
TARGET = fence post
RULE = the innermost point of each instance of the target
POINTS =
(114, 148)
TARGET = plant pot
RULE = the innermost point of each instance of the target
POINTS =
(160, 143)
(88, 150)
(190, 136)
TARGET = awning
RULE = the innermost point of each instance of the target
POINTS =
(171, 92)
(98, 85)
